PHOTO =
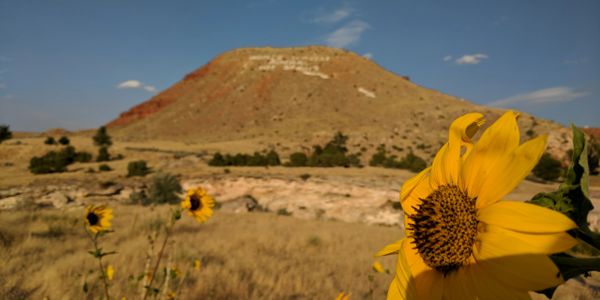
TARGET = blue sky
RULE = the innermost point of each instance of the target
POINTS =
(78, 64)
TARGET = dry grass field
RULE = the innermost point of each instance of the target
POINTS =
(248, 256)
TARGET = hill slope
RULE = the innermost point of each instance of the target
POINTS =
(298, 97)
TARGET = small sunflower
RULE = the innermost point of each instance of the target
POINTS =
(343, 296)
(110, 271)
(377, 267)
(462, 241)
(98, 218)
(197, 264)
(199, 204)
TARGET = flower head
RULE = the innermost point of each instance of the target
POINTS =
(377, 267)
(462, 241)
(97, 219)
(110, 271)
(198, 204)
(343, 296)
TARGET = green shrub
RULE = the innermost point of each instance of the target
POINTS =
(102, 139)
(83, 157)
(305, 176)
(548, 168)
(104, 168)
(50, 141)
(217, 160)
(272, 158)
(137, 168)
(103, 154)
(164, 189)
(378, 157)
(5, 133)
(64, 140)
(412, 162)
(334, 154)
(298, 159)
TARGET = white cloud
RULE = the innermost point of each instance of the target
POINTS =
(368, 55)
(557, 94)
(150, 88)
(347, 35)
(448, 58)
(334, 16)
(471, 59)
(136, 84)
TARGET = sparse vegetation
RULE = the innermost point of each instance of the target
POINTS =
(50, 141)
(548, 168)
(298, 159)
(137, 168)
(164, 189)
(102, 139)
(104, 168)
(241, 159)
(83, 157)
(5, 133)
(334, 154)
(64, 140)
(103, 154)
(410, 162)
(53, 161)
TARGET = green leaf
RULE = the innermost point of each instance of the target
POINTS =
(572, 197)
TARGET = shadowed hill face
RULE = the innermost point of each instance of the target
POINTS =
(299, 95)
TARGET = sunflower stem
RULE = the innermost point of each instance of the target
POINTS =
(102, 270)
(160, 254)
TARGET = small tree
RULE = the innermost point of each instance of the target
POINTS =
(64, 140)
(548, 168)
(50, 141)
(218, 160)
(83, 157)
(103, 154)
(137, 168)
(5, 133)
(102, 139)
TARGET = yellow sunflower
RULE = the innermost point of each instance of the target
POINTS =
(343, 296)
(199, 204)
(462, 241)
(98, 218)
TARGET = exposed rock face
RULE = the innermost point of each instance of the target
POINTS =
(312, 199)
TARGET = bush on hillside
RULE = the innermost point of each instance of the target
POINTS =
(410, 162)
(53, 161)
(137, 168)
(102, 139)
(104, 168)
(50, 141)
(241, 159)
(334, 154)
(5, 133)
(298, 159)
(83, 157)
(548, 168)
(103, 154)
(165, 189)
(64, 140)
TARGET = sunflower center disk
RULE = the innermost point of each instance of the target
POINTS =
(195, 203)
(92, 219)
(444, 228)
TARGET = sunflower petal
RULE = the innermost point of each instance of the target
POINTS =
(489, 288)
(510, 171)
(525, 217)
(499, 140)
(459, 285)
(390, 249)
(523, 272)
(403, 286)
(446, 164)
(496, 242)
(413, 190)
(424, 277)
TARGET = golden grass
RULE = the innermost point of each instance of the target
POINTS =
(247, 256)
